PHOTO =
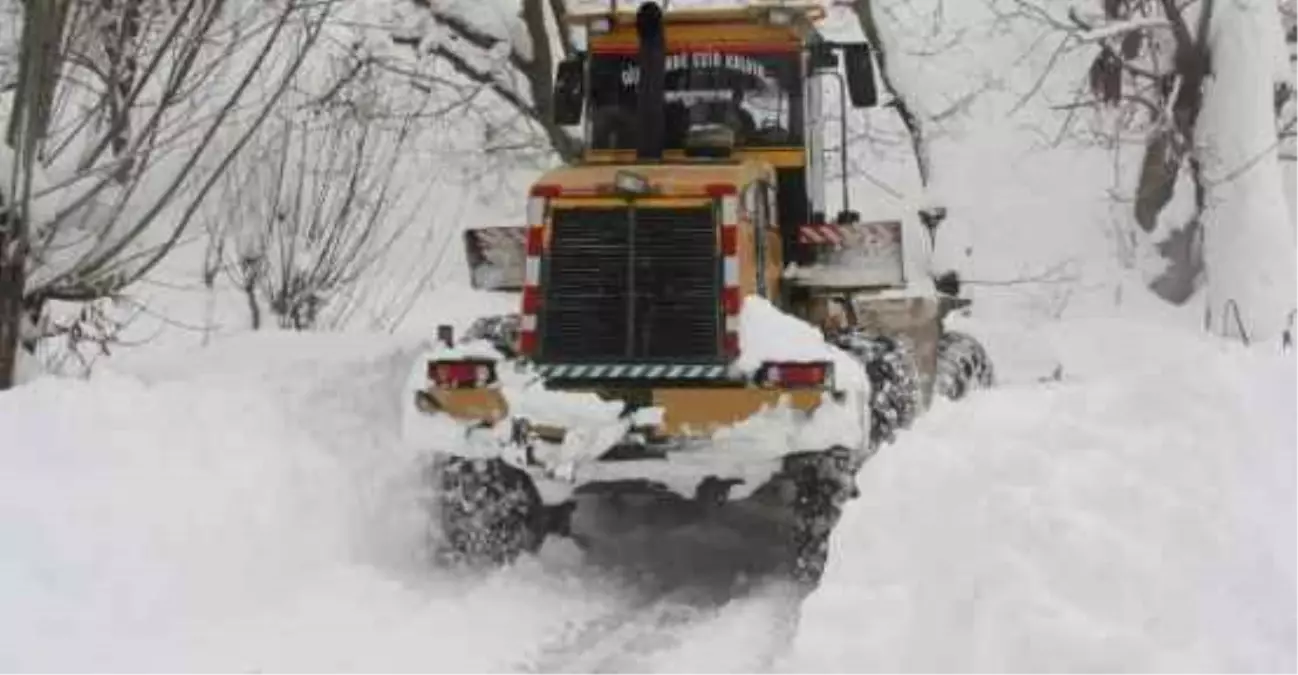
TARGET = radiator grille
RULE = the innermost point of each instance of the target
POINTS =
(631, 285)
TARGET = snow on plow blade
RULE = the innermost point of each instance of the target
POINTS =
(497, 257)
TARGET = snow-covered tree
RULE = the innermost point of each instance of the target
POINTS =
(306, 212)
(1202, 87)
(899, 91)
(121, 116)
(506, 47)
(1249, 243)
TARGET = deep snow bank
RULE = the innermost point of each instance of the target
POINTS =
(241, 508)
(1137, 515)
(247, 507)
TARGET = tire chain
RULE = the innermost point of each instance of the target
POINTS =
(963, 365)
(486, 511)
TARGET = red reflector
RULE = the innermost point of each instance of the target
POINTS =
(546, 190)
(794, 374)
(535, 241)
(720, 189)
(527, 342)
(459, 374)
(729, 240)
(730, 344)
(730, 300)
(531, 299)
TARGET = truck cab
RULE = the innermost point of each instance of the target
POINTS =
(701, 171)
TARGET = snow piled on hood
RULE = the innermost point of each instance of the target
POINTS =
(768, 334)
(593, 424)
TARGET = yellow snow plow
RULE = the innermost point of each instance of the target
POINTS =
(693, 335)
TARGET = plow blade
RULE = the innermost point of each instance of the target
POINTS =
(854, 254)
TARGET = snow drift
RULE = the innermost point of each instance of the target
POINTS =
(249, 507)
(241, 508)
(1138, 515)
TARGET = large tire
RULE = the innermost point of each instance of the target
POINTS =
(822, 482)
(962, 366)
(486, 512)
(895, 396)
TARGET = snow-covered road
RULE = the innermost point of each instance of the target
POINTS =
(251, 509)
(248, 508)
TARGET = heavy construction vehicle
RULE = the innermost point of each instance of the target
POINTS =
(650, 375)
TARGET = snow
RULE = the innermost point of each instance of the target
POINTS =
(750, 449)
(1121, 27)
(1137, 516)
(243, 510)
(1124, 501)
(767, 334)
(249, 506)
(1249, 245)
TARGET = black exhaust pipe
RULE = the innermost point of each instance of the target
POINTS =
(653, 80)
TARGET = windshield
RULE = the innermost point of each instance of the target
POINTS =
(757, 96)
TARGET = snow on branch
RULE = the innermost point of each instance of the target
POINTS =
(123, 117)
(1120, 28)
(506, 45)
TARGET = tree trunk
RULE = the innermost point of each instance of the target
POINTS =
(254, 307)
(1248, 232)
(1171, 150)
(12, 281)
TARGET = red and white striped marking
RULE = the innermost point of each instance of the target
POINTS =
(731, 297)
(535, 246)
(873, 235)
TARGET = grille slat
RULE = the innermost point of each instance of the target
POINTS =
(589, 292)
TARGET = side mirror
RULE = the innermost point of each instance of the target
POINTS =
(847, 217)
(569, 91)
(860, 75)
(948, 283)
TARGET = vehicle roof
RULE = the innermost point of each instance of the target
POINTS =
(672, 178)
(737, 12)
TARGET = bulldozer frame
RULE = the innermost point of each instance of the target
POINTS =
(636, 271)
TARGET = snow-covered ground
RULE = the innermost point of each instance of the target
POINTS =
(1137, 515)
(248, 507)
(1124, 501)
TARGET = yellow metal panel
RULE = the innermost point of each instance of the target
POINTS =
(682, 35)
(783, 158)
(487, 405)
(774, 271)
(684, 177)
(686, 412)
(640, 203)
(737, 14)
(703, 411)
(747, 257)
